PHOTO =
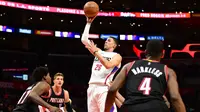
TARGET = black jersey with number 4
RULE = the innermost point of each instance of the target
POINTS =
(146, 81)
(25, 104)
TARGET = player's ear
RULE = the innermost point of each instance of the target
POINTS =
(44, 78)
(163, 54)
(145, 52)
(53, 81)
(63, 79)
(114, 46)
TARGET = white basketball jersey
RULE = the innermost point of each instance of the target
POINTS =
(99, 73)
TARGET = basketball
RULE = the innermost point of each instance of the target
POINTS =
(91, 9)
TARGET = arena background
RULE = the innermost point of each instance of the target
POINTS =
(47, 33)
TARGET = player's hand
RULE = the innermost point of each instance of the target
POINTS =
(55, 109)
(110, 83)
(90, 19)
(168, 104)
(106, 110)
(92, 47)
(166, 101)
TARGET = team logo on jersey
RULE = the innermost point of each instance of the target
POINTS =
(96, 59)
(107, 58)
(57, 100)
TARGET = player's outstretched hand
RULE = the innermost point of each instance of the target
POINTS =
(166, 101)
(90, 19)
(110, 83)
(92, 47)
(55, 109)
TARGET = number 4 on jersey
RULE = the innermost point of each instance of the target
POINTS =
(145, 86)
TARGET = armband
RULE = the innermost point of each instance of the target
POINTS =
(68, 107)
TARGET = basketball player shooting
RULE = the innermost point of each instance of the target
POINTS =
(105, 65)
(30, 99)
(146, 82)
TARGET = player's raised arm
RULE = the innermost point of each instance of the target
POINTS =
(174, 92)
(91, 10)
(85, 35)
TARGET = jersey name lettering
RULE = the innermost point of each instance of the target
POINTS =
(57, 100)
(149, 70)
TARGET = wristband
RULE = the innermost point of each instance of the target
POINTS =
(68, 107)
(95, 52)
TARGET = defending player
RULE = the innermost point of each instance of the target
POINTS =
(30, 99)
(58, 96)
(146, 82)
